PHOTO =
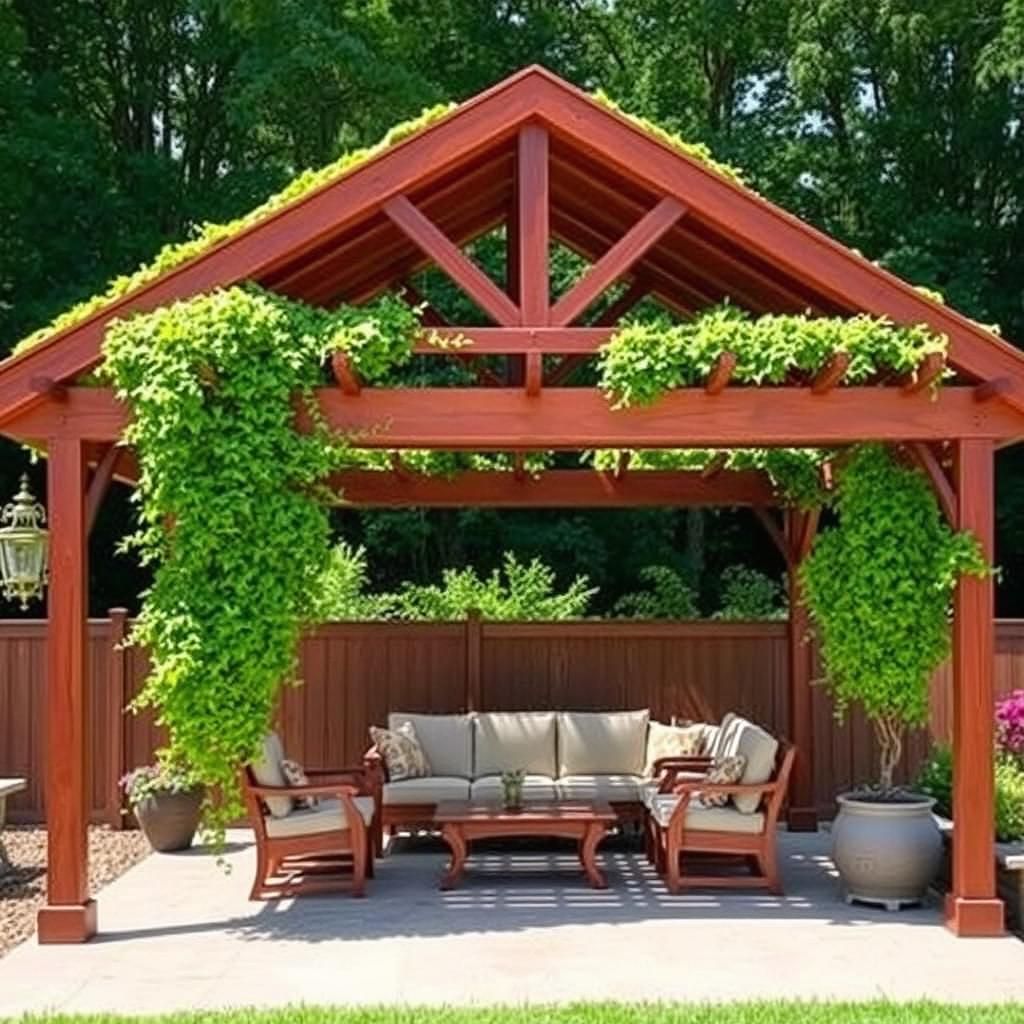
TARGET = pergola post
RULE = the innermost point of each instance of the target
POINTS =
(802, 814)
(972, 908)
(69, 914)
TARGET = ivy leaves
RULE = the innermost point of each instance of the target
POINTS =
(879, 585)
(644, 360)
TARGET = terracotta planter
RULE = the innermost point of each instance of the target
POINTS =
(887, 854)
(169, 820)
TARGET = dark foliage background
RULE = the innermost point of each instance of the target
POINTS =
(893, 124)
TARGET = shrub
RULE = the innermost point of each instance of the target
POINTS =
(936, 780)
(749, 594)
(668, 596)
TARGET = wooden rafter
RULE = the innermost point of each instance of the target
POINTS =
(534, 232)
(428, 314)
(715, 465)
(618, 260)
(447, 255)
(518, 340)
(622, 464)
(831, 373)
(721, 373)
(775, 531)
(990, 389)
(99, 483)
(519, 465)
(927, 373)
(344, 374)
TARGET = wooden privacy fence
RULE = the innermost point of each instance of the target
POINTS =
(354, 673)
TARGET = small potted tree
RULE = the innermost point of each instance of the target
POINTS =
(879, 585)
(167, 802)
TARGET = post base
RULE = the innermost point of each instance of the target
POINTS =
(66, 923)
(970, 918)
(802, 819)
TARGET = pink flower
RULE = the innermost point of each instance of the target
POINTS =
(1010, 724)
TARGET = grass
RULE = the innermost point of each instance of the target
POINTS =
(594, 1013)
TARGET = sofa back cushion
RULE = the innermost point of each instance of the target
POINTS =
(447, 740)
(602, 742)
(759, 748)
(267, 771)
(511, 740)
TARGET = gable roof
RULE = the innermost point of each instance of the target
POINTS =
(335, 244)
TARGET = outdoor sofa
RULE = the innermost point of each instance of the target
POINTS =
(623, 757)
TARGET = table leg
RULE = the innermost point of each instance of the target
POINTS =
(588, 848)
(453, 836)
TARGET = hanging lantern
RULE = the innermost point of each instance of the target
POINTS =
(24, 543)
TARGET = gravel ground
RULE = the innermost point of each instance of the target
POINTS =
(23, 887)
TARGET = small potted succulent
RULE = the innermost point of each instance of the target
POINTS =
(167, 802)
(512, 789)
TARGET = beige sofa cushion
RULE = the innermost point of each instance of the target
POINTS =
(447, 740)
(612, 788)
(327, 816)
(674, 741)
(267, 771)
(431, 790)
(706, 819)
(513, 741)
(535, 788)
(750, 741)
(602, 742)
(716, 745)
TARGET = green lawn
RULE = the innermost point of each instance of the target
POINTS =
(598, 1013)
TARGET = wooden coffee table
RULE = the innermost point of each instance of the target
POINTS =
(462, 821)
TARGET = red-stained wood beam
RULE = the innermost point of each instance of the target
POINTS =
(618, 260)
(721, 373)
(831, 373)
(534, 373)
(622, 465)
(99, 484)
(428, 315)
(990, 389)
(505, 419)
(635, 293)
(775, 532)
(519, 465)
(398, 466)
(928, 372)
(715, 466)
(462, 270)
(928, 462)
(344, 374)
(554, 488)
(973, 907)
(69, 914)
(533, 218)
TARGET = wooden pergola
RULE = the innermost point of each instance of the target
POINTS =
(548, 162)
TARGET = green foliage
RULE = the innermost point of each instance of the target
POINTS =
(749, 594)
(879, 585)
(230, 508)
(152, 780)
(935, 779)
(341, 590)
(517, 591)
(667, 596)
(643, 361)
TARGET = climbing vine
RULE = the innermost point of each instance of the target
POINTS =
(878, 584)
(232, 514)
(643, 360)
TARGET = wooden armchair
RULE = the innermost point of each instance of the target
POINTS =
(319, 849)
(676, 825)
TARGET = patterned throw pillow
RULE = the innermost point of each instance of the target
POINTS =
(401, 750)
(726, 771)
(295, 775)
(686, 740)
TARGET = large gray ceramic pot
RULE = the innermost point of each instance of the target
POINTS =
(169, 820)
(887, 852)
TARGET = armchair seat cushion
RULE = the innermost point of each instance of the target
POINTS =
(535, 788)
(706, 819)
(430, 790)
(327, 816)
(613, 788)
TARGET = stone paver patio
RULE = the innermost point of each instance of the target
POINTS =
(180, 934)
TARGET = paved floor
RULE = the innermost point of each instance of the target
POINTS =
(178, 933)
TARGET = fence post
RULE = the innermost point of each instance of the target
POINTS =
(474, 642)
(115, 710)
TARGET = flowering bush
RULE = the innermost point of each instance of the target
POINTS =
(1010, 724)
(150, 779)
